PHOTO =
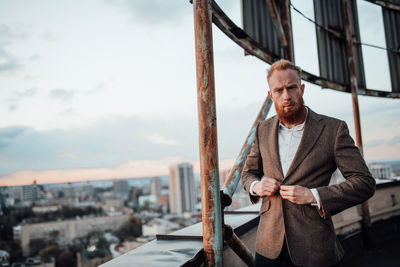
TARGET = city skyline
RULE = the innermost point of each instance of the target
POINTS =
(111, 93)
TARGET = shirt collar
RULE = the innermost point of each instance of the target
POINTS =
(298, 127)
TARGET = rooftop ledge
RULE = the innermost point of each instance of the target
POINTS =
(185, 247)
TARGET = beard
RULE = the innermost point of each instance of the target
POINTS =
(294, 116)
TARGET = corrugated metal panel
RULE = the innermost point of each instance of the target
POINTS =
(391, 20)
(257, 23)
(332, 54)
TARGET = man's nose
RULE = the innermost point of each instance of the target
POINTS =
(286, 95)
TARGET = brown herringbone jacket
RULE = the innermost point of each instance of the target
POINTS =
(326, 145)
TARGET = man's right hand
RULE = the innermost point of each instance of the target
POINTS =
(266, 187)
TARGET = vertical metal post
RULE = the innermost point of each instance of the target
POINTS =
(210, 196)
(287, 28)
(356, 111)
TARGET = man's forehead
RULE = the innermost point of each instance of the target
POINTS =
(284, 76)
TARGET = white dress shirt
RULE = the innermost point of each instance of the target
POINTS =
(288, 143)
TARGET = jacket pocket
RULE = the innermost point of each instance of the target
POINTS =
(265, 206)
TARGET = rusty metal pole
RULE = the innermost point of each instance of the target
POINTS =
(287, 28)
(356, 111)
(210, 196)
(237, 245)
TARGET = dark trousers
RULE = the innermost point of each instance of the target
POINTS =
(283, 259)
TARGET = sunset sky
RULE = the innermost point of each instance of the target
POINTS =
(107, 88)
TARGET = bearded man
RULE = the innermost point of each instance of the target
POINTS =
(290, 166)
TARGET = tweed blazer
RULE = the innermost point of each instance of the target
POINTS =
(325, 145)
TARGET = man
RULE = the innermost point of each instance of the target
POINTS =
(289, 166)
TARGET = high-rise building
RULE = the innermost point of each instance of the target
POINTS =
(30, 192)
(181, 188)
(121, 188)
(380, 170)
(155, 186)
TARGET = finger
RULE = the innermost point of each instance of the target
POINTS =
(287, 187)
(291, 199)
(270, 180)
(286, 194)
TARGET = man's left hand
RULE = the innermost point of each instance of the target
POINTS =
(297, 194)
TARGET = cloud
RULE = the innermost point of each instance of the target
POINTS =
(8, 62)
(375, 143)
(67, 155)
(26, 93)
(50, 37)
(12, 107)
(394, 140)
(12, 132)
(106, 143)
(34, 57)
(161, 140)
(98, 88)
(154, 12)
(10, 34)
(8, 134)
(62, 94)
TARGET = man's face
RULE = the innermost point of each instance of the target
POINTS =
(287, 91)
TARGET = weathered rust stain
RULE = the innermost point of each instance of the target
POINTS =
(386, 4)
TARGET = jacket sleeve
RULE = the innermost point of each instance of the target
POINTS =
(359, 185)
(253, 168)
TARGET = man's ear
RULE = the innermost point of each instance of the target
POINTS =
(270, 95)
(302, 86)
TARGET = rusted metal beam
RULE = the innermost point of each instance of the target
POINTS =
(210, 195)
(238, 246)
(236, 34)
(324, 83)
(356, 111)
(276, 21)
(233, 178)
(386, 4)
(287, 28)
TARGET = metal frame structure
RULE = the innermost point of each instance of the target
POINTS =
(214, 201)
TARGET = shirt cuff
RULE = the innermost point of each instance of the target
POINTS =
(318, 204)
(251, 189)
(316, 196)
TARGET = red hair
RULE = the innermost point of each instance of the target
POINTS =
(283, 64)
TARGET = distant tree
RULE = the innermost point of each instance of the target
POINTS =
(50, 251)
(54, 235)
(130, 229)
(66, 259)
(6, 231)
(60, 194)
(35, 246)
(14, 249)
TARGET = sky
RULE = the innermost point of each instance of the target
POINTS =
(107, 89)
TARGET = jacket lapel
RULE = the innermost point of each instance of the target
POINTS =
(312, 130)
(273, 150)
